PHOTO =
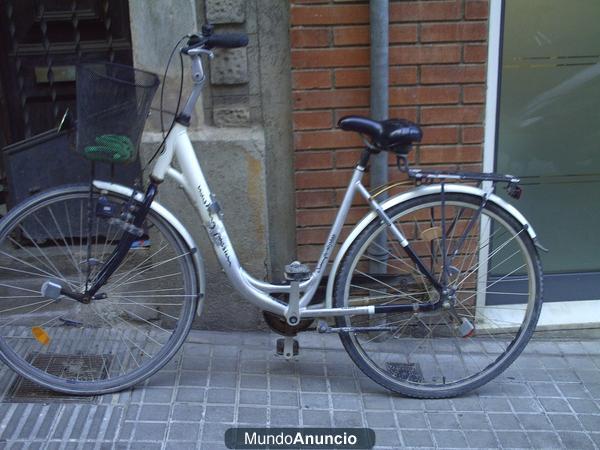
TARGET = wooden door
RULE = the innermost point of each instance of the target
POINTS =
(40, 43)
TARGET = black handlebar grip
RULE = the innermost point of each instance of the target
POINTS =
(226, 40)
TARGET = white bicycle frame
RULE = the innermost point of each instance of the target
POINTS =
(179, 147)
(193, 181)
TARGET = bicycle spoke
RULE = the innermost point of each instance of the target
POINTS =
(496, 282)
(117, 280)
(120, 294)
(457, 339)
(114, 340)
(150, 291)
(70, 230)
(44, 303)
(145, 280)
(411, 268)
(48, 270)
(130, 313)
(122, 335)
(377, 291)
(129, 301)
(26, 272)
(476, 267)
(153, 266)
(403, 294)
(67, 246)
(54, 241)
(60, 275)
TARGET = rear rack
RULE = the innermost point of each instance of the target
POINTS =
(425, 176)
(512, 183)
(430, 176)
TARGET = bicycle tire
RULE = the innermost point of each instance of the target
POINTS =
(181, 329)
(414, 388)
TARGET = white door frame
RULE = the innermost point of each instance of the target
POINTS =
(554, 315)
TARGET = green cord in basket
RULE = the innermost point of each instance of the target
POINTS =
(112, 147)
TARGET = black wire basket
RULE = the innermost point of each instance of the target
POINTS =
(113, 102)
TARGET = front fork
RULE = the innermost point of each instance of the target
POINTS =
(138, 210)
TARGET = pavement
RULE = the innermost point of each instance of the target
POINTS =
(550, 398)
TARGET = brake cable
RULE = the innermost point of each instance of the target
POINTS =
(162, 91)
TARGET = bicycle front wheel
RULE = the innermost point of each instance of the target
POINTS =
(135, 324)
(492, 270)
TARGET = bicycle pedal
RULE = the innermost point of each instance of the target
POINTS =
(288, 347)
(297, 271)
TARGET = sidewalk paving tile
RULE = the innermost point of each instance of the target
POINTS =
(549, 399)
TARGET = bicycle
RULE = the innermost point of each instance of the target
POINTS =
(434, 292)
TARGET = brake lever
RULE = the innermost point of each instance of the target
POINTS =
(194, 41)
(200, 51)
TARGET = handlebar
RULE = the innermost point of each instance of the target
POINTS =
(219, 40)
(226, 40)
(197, 45)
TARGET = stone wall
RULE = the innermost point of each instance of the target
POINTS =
(241, 134)
(227, 102)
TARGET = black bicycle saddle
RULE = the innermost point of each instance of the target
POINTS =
(390, 134)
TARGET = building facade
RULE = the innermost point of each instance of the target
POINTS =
(496, 85)
(499, 85)
(437, 78)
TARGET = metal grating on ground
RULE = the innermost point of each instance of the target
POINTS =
(80, 367)
(408, 372)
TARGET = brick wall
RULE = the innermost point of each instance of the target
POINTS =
(437, 75)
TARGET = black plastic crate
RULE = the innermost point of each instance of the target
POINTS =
(47, 160)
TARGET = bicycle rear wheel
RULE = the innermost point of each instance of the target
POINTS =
(494, 269)
(113, 342)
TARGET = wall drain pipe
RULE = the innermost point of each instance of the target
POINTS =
(379, 28)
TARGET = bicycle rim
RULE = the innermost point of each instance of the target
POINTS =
(112, 342)
(495, 271)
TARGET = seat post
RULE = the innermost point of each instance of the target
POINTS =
(364, 157)
(198, 77)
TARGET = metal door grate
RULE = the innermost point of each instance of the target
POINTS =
(41, 41)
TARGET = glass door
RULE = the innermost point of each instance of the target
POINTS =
(549, 134)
